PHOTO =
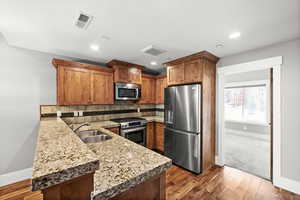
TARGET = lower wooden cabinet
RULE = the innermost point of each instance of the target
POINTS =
(159, 136)
(155, 136)
(150, 135)
(115, 130)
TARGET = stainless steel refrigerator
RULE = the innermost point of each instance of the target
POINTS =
(183, 126)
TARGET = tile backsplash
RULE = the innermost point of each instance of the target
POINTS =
(102, 112)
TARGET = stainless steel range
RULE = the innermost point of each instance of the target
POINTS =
(133, 128)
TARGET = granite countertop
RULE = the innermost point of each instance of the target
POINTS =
(60, 155)
(124, 164)
(154, 119)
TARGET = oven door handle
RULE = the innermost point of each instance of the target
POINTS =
(133, 130)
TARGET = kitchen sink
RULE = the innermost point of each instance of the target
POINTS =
(92, 136)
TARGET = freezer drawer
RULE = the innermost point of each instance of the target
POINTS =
(184, 149)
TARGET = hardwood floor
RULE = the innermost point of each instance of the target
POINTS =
(217, 183)
(221, 183)
(19, 191)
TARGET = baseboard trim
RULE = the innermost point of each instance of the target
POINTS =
(13, 177)
(288, 184)
(217, 161)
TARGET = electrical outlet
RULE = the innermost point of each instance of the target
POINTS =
(80, 113)
(58, 113)
(75, 113)
(138, 110)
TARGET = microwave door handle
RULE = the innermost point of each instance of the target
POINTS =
(138, 95)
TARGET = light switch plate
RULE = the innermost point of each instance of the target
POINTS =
(80, 113)
(58, 113)
(75, 113)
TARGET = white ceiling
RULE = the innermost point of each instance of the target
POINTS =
(181, 27)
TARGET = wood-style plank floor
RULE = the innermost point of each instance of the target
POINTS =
(218, 183)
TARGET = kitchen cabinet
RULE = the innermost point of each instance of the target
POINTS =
(159, 136)
(188, 69)
(73, 86)
(193, 71)
(161, 84)
(150, 135)
(121, 74)
(83, 84)
(148, 89)
(102, 88)
(175, 74)
(125, 72)
(115, 130)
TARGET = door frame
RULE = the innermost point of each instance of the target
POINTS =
(273, 63)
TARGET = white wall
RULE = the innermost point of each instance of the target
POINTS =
(27, 79)
(290, 107)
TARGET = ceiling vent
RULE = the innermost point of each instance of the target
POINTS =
(83, 21)
(153, 51)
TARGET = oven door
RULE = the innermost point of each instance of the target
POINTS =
(137, 135)
(125, 91)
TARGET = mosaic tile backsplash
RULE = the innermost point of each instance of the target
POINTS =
(92, 113)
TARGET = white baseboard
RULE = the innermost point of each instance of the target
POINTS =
(288, 184)
(217, 161)
(13, 177)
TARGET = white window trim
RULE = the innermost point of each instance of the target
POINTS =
(253, 83)
(270, 63)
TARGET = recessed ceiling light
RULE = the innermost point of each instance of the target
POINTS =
(153, 63)
(219, 46)
(234, 35)
(94, 47)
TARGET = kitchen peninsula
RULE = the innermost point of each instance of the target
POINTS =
(63, 163)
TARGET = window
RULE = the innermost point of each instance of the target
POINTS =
(248, 103)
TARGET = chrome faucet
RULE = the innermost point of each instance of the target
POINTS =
(81, 125)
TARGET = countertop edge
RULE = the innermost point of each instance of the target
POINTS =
(118, 189)
(56, 178)
(61, 176)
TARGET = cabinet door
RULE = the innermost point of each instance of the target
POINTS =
(73, 86)
(121, 74)
(192, 72)
(175, 74)
(159, 136)
(135, 75)
(145, 91)
(150, 135)
(102, 88)
(161, 84)
(152, 88)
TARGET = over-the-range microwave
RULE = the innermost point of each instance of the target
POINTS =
(127, 91)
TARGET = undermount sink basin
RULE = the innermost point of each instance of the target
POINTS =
(93, 136)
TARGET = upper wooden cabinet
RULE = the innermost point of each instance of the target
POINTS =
(161, 84)
(83, 84)
(125, 72)
(102, 88)
(175, 74)
(148, 89)
(188, 69)
(193, 71)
